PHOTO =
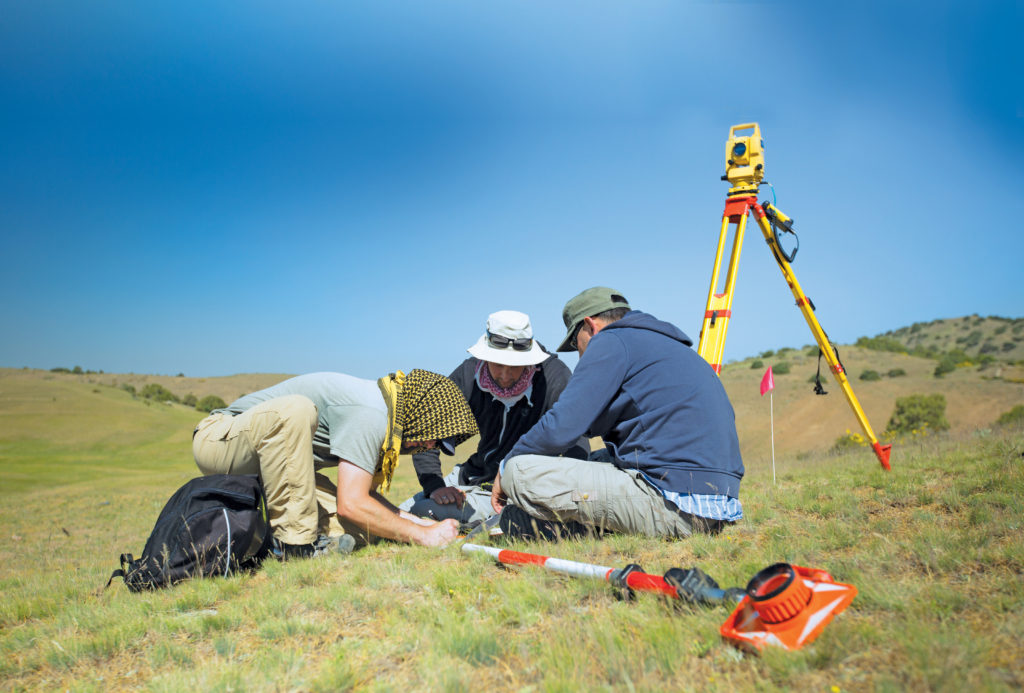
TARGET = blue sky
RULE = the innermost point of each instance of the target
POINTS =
(215, 188)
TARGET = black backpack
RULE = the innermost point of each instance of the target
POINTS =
(213, 525)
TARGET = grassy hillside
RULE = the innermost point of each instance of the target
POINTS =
(807, 423)
(934, 547)
(1001, 338)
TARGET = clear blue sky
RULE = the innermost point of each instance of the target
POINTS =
(214, 188)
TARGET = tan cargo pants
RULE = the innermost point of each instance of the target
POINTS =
(597, 494)
(275, 440)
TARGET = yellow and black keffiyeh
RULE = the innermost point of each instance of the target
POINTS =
(421, 406)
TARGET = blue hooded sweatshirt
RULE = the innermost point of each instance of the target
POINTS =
(658, 406)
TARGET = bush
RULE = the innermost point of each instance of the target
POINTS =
(849, 442)
(896, 373)
(209, 403)
(929, 352)
(951, 360)
(881, 344)
(870, 375)
(158, 393)
(781, 368)
(918, 413)
(130, 389)
(189, 400)
(1014, 417)
(973, 339)
(60, 369)
(758, 363)
(767, 354)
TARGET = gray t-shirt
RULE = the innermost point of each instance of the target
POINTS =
(351, 416)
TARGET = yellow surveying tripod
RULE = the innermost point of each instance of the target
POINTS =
(744, 169)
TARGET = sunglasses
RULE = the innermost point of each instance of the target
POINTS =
(499, 342)
(575, 334)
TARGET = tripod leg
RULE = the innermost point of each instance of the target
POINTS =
(719, 308)
(807, 308)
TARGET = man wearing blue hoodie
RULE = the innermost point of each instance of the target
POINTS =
(671, 464)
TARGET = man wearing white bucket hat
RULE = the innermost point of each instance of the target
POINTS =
(510, 381)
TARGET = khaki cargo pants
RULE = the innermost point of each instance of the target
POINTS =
(275, 440)
(597, 494)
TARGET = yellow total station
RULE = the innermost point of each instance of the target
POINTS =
(744, 158)
(744, 169)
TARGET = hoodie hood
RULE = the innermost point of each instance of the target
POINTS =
(642, 321)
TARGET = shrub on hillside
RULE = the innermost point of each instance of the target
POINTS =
(767, 354)
(929, 352)
(918, 413)
(130, 389)
(881, 343)
(781, 368)
(158, 393)
(947, 364)
(190, 400)
(950, 360)
(870, 375)
(210, 402)
(849, 441)
(1014, 417)
(60, 369)
(758, 363)
(896, 372)
(973, 339)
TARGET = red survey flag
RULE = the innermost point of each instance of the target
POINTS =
(767, 382)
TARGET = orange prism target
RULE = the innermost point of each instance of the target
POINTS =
(788, 606)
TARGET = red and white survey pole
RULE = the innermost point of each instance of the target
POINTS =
(629, 578)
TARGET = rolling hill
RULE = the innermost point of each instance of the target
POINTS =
(986, 380)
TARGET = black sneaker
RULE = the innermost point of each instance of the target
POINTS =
(517, 524)
(286, 552)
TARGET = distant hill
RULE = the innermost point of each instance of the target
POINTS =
(999, 338)
(985, 378)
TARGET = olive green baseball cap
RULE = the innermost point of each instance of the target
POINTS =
(594, 300)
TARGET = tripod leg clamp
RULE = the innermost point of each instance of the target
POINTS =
(694, 586)
(618, 579)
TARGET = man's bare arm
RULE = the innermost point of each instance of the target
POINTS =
(357, 503)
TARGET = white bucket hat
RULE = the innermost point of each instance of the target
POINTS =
(508, 341)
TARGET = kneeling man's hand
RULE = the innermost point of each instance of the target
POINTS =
(448, 495)
(498, 497)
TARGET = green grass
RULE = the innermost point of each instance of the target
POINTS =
(934, 548)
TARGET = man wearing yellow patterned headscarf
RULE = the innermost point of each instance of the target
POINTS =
(286, 433)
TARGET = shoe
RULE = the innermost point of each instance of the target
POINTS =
(286, 552)
(343, 544)
(323, 545)
(515, 523)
